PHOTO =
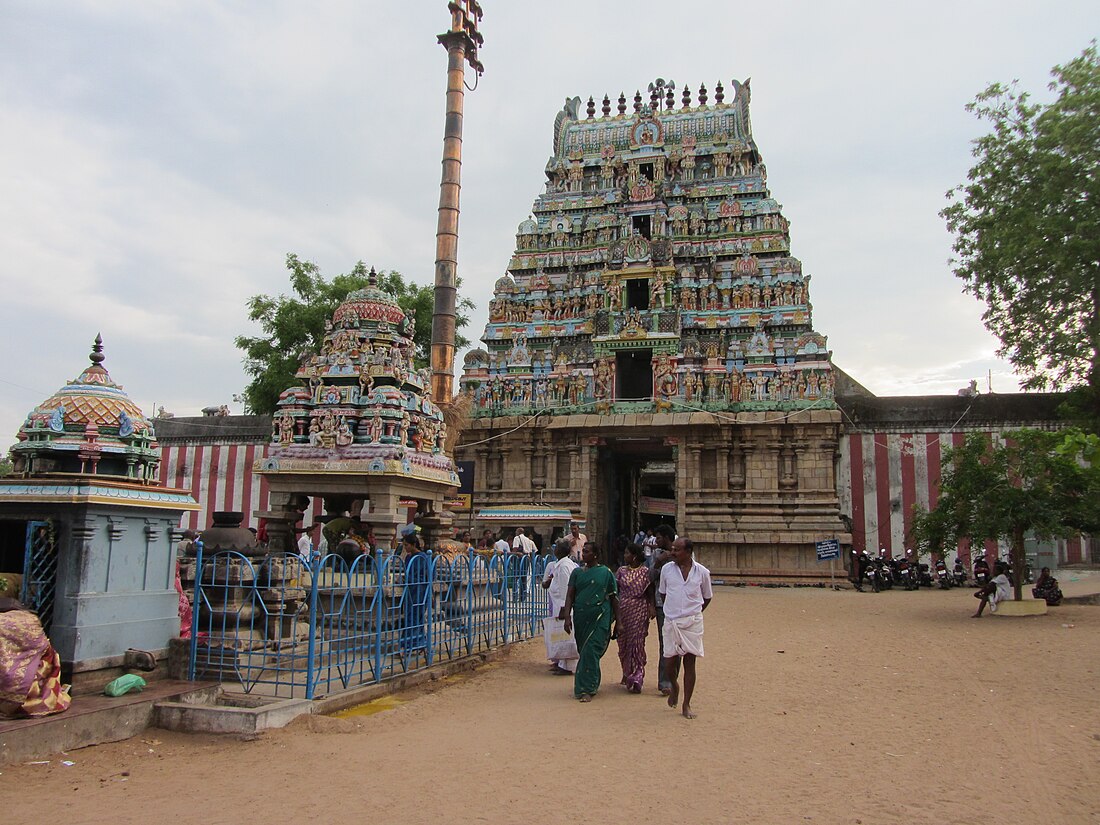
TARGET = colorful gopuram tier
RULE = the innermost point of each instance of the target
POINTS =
(361, 401)
(654, 273)
(650, 354)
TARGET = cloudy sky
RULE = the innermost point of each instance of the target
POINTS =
(160, 158)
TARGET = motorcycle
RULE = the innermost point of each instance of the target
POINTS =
(981, 572)
(865, 566)
(943, 578)
(908, 575)
(959, 574)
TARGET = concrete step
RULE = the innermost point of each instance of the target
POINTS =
(92, 720)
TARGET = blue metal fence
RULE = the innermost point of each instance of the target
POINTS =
(311, 629)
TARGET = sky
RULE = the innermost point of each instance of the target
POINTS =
(159, 159)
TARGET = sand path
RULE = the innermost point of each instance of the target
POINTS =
(814, 706)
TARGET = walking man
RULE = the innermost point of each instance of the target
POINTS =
(685, 587)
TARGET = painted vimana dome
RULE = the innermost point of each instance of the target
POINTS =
(655, 272)
(361, 400)
(89, 426)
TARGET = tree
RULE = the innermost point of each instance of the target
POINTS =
(294, 326)
(1034, 482)
(1027, 228)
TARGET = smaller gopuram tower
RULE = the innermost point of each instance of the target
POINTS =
(650, 354)
(84, 517)
(361, 429)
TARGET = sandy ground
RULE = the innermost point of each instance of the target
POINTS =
(814, 706)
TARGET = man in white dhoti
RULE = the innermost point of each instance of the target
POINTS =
(685, 587)
(556, 581)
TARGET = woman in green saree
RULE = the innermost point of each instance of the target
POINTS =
(590, 606)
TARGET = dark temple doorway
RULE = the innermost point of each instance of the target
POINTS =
(640, 483)
(634, 375)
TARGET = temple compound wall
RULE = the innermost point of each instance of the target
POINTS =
(888, 456)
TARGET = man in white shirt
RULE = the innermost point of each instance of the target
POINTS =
(305, 545)
(556, 581)
(686, 590)
(521, 546)
(649, 546)
(998, 590)
(501, 545)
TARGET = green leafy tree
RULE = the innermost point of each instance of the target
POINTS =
(295, 325)
(6, 467)
(1034, 482)
(1027, 228)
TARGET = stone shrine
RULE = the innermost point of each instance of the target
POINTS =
(361, 429)
(650, 354)
(86, 521)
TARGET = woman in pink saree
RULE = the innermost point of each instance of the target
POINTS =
(636, 608)
(30, 669)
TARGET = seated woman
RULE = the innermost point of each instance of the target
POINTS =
(1047, 588)
(30, 669)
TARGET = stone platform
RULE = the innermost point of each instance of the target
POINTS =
(93, 719)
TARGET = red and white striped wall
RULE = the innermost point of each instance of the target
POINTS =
(219, 477)
(880, 476)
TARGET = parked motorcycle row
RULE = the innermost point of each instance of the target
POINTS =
(906, 572)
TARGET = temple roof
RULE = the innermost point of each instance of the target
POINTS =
(88, 421)
(360, 404)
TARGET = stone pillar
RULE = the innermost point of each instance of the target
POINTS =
(383, 516)
(286, 511)
(736, 463)
(694, 468)
(722, 480)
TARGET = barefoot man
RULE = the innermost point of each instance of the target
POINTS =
(685, 587)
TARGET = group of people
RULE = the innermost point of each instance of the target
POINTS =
(999, 589)
(597, 606)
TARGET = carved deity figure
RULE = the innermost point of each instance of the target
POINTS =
(602, 379)
(344, 435)
(657, 291)
(760, 387)
(712, 387)
(615, 291)
(286, 429)
(328, 430)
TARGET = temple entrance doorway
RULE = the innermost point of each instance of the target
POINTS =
(640, 485)
(634, 375)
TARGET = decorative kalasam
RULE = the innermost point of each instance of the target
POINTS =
(362, 406)
(656, 233)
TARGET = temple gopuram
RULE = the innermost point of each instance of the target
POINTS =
(650, 355)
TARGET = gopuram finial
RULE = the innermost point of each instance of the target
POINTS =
(97, 355)
(372, 277)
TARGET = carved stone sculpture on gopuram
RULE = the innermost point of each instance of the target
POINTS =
(361, 427)
(653, 286)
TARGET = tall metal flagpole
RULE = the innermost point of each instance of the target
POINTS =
(461, 42)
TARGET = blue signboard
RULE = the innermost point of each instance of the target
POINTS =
(828, 549)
